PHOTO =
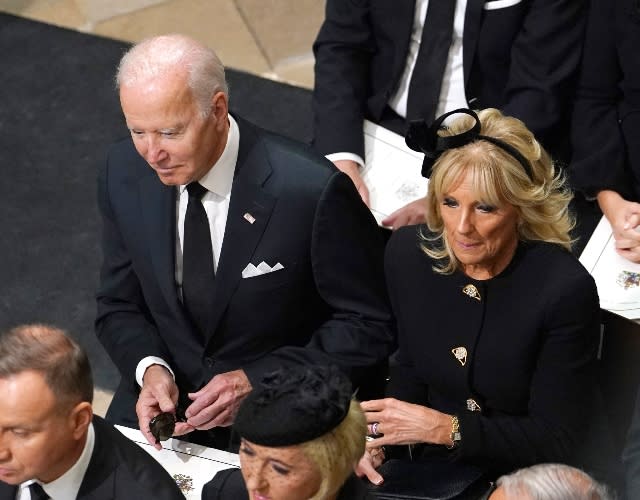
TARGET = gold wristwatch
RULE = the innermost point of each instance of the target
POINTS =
(455, 435)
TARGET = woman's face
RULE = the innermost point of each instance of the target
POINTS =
(482, 237)
(282, 473)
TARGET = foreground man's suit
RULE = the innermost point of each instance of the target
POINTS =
(288, 206)
(119, 470)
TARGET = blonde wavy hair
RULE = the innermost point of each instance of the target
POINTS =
(337, 452)
(498, 178)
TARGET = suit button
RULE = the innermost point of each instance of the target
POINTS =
(209, 362)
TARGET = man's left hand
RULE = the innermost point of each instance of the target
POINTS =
(216, 404)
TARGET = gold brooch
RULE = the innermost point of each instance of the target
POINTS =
(472, 405)
(461, 354)
(471, 291)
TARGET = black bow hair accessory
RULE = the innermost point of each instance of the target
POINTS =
(294, 406)
(425, 139)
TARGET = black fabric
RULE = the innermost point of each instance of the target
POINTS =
(229, 484)
(327, 304)
(426, 79)
(294, 406)
(37, 492)
(59, 113)
(429, 480)
(198, 276)
(532, 386)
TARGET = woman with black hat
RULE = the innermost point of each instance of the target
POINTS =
(301, 436)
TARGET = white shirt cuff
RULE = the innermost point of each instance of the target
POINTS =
(146, 363)
(346, 156)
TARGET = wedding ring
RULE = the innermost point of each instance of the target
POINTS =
(374, 429)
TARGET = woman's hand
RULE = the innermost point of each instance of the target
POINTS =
(398, 422)
(624, 217)
(370, 461)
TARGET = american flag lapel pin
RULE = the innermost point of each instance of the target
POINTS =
(249, 218)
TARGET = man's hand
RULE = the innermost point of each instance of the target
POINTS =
(159, 394)
(624, 217)
(412, 213)
(352, 169)
(216, 404)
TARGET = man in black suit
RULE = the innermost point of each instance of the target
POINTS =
(520, 56)
(49, 439)
(293, 267)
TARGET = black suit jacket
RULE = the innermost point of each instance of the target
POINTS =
(531, 342)
(521, 59)
(228, 484)
(119, 470)
(607, 109)
(328, 304)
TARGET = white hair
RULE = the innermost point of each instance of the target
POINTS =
(552, 482)
(162, 55)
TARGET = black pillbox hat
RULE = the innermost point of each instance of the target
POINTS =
(293, 406)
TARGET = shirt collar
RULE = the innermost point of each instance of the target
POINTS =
(68, 485)
(219, 178)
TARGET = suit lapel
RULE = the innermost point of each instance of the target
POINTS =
(8, 491)
(158, 206)
(472, 22)
(249, 212)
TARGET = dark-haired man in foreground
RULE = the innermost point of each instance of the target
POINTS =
(51, 444)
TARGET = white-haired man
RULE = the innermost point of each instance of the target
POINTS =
(228, 251)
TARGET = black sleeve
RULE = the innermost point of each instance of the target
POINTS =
(343, 51)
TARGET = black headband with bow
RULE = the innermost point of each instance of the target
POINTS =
(425, 139)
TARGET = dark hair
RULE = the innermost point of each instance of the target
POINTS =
(50, 351)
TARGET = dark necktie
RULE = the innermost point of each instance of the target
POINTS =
(37, 492)
(426, 80)
(198, 275)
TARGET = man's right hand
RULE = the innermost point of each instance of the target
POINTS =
(352, 169)
(159, 393)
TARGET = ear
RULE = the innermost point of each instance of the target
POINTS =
(80, 417)
(220, 108)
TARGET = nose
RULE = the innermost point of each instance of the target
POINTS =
(5, 454)
(154, 152)
(255, 478)
(465, 222)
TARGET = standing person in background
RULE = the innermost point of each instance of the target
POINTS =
(606, 142)
(394, 61)
(228, 251)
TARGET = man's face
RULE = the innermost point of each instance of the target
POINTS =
(169, 131)
(39, 439)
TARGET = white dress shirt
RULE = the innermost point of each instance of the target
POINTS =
(452, 93)
(66, 487)
(218, 181)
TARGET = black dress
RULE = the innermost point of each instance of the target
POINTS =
(512, 356)
(228, 484)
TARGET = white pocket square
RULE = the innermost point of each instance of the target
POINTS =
(500, 4)
(263, 268)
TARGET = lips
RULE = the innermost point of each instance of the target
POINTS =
(258, 496)
(466, 246)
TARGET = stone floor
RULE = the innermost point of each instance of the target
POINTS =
(270, 38)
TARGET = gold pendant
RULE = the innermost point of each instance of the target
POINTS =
(461, 354)
(471, 291)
